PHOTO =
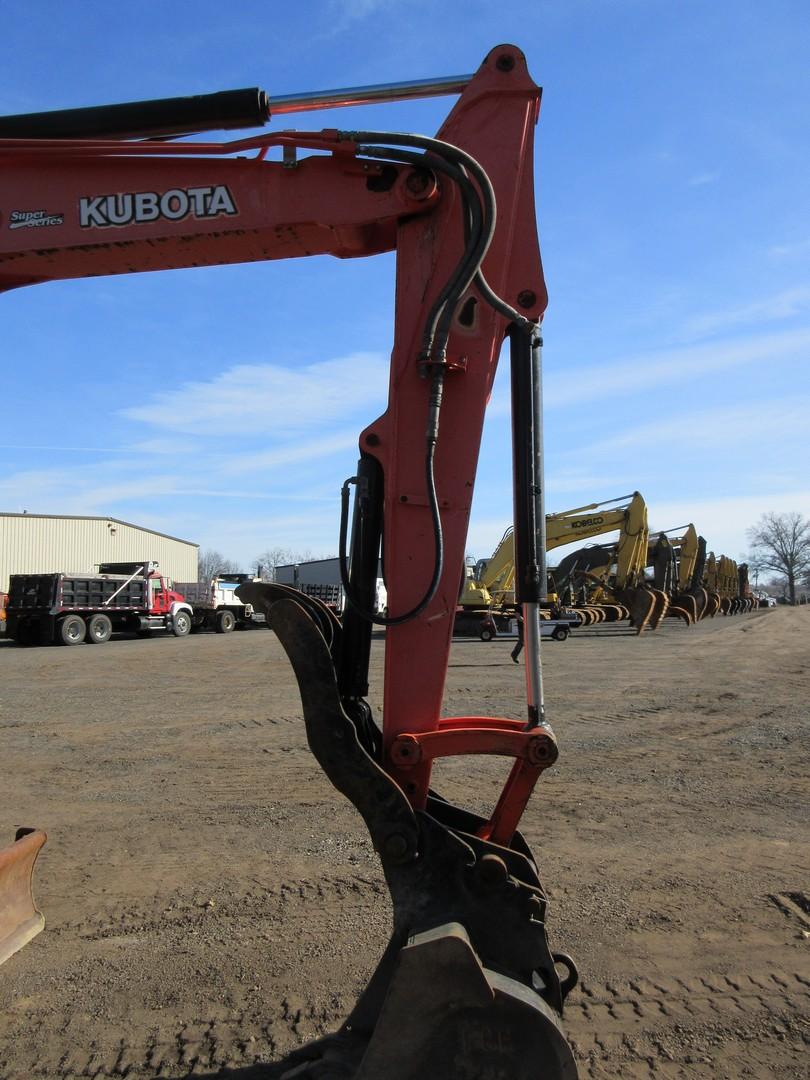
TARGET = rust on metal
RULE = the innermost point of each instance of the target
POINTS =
(20, 919)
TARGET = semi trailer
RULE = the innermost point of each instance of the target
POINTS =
(321, 579)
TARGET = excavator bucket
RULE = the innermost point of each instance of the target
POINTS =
(688, 603)
(660, 609)
(20, 920)
(712, 605)
(642, 604)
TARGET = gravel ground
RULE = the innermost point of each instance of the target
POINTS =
(212, 902)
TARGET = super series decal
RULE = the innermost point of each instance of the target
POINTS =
(106, 211)
(34, 219)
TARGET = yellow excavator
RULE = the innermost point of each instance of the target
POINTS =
(728, 585)
(663, 560)
(679, 562)
(733, 586)
(605, 582)
(615, 571)
(710, 584)
(491, 582)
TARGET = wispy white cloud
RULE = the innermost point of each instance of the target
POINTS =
(270, 398)
(710, 428)
(791, 249)
(781, 305)
(702, 179)
(67, 449)
(581, 384)
(290, 453)
(648, 371)
(723, 520)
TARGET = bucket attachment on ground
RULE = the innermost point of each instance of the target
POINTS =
(20, 920)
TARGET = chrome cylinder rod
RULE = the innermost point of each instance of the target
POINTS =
(529, 509)
(367, 95)
(531, 611)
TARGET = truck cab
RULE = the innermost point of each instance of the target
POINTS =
(162, 595)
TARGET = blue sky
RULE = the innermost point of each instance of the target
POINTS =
(223, 405)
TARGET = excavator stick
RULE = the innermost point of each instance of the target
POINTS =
(20, 919)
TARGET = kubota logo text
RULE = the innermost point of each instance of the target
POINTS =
(103, 211)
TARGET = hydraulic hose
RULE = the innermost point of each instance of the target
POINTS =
(479, 218)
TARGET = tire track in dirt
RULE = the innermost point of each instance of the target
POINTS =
(642, 1027)
(668, 1027)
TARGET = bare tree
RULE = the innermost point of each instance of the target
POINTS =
(210, 563)
(266, 563)
(780, 543)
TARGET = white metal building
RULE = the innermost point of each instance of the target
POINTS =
(44, 543)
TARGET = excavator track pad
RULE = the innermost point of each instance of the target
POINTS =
(20, 920)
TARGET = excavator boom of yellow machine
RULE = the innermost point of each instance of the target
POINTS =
(20, 920)
(493, 580)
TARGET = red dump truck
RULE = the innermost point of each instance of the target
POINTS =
(72, 608)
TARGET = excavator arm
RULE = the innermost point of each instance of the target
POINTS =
(468, 985)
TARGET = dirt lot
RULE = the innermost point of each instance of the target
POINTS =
(212, 902)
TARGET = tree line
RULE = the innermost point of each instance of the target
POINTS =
(212, 563)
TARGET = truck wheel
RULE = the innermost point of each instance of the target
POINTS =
(560, 633)
(181, 624)
(99, 630)
(72, 630)
(226, 621)
(486, 634)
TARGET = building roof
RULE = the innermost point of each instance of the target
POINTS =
(99, 517)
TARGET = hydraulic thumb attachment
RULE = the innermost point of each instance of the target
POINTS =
(467, 986)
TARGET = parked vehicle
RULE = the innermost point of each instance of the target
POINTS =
(216, 607)
(321, 578)
(505, 626)
(72, 608)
